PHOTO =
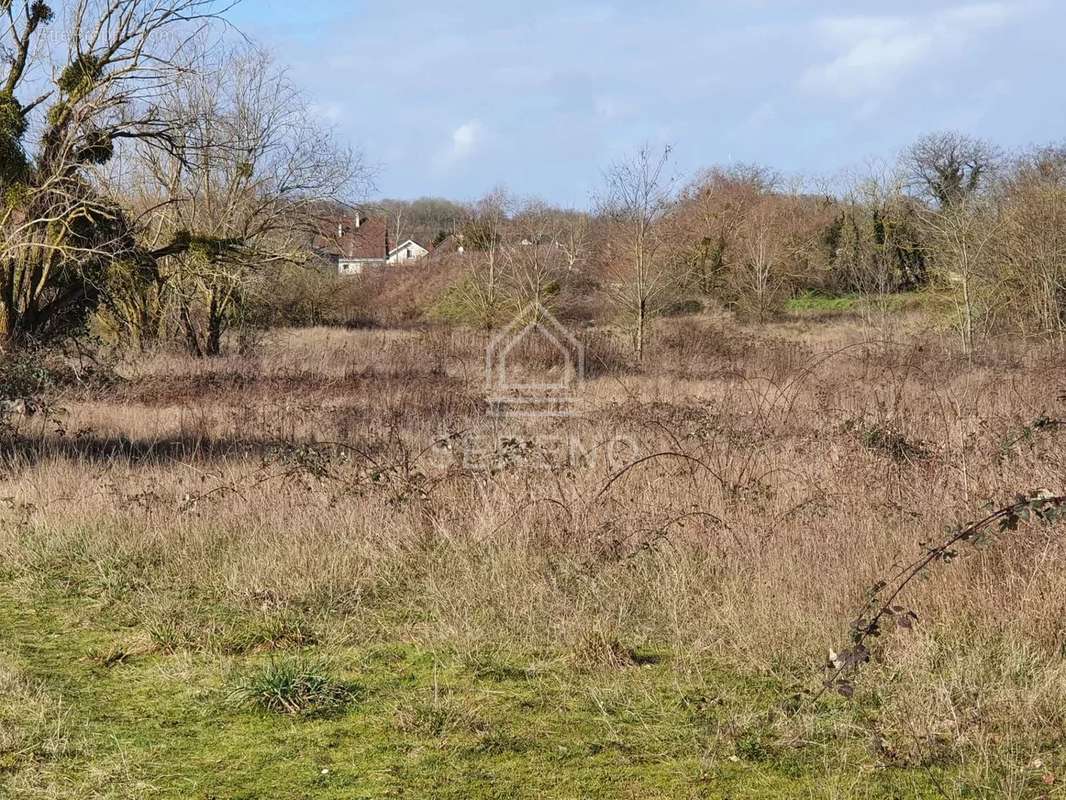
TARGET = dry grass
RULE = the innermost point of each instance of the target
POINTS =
(33, 724)
(302, 493)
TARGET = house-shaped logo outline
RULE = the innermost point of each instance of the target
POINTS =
(534, 320)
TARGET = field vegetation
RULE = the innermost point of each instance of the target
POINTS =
(281, 576)
(263, 535)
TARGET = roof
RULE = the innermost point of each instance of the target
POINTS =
(449, 244)
(408, 243)
(346, 241)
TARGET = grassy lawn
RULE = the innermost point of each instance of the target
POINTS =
(417, 724)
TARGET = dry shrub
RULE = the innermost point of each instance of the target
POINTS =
(398, 297)
(599, 648)
(700, 345)
(606, 355)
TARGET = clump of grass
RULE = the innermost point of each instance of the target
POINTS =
(889, 441)
(437, 717)
(227, 631)
(598, 649)
(498, 669)
(271, 632)
(296, 686)
(498, 742)
(113, 656)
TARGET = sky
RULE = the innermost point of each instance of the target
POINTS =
(456, 98)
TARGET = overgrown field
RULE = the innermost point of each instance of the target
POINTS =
(323, 570)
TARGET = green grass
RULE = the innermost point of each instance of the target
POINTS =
(396, 720)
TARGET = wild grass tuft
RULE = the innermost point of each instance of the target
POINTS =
(296, 686)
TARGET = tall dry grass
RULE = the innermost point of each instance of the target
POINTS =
(765, 479)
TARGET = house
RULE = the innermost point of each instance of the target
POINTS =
(362, 243)
(449, 245)
(408, 251)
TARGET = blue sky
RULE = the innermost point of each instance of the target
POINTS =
(454, 98)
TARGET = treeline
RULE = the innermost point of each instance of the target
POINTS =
(982, 233)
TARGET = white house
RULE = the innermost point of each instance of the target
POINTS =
(361, 244)
(408, 251)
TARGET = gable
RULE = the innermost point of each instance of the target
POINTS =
(415, 247)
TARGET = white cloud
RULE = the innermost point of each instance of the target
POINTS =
(764, 115)
(876, 53)
(869, 63)
(465, 141)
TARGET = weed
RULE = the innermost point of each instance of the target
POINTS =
(891, 442)
(599, 649)
(295, 685)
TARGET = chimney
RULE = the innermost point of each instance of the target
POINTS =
(358, 220)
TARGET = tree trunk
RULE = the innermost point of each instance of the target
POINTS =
(639, 344)
(192, 341)
(214, 329)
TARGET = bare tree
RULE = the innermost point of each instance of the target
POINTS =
(640, 267)
(1031, 262)
(59, 231)
(241, 189)
(483, 236)
(772, 238)
(950, 167)
(427, 220)
(573, 237)
(961, 239)
(541, 250)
